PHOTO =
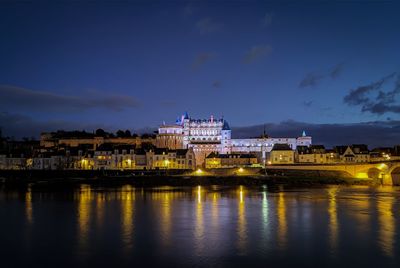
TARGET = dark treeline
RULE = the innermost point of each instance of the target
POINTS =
(84, 134)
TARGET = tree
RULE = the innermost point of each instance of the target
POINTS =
(147, 146)
(100, 133)
(145, 136)
(120, 134)
(127, 133)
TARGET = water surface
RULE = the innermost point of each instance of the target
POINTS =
(200, 226)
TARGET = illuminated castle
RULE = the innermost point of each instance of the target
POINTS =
(214, 135)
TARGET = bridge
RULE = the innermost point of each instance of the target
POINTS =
(387, 172)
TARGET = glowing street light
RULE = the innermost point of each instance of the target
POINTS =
(166, 163)
(382, 166)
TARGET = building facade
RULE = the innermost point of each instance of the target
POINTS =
(281, 153)
(215, 160)
(206, 136)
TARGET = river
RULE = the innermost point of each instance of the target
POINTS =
(331, 226)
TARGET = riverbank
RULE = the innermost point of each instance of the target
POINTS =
(42, 178)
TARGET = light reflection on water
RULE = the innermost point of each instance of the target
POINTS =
(28, 206)
(208, 225)
(127, 214)
(333, 219)
(199, 224)
(386, 224)
(242, 224)
(84, 198)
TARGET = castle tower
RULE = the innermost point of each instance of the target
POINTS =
(304, 140)
(226, 138)
(186, 129)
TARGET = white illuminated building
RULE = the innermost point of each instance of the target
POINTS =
(214, 135)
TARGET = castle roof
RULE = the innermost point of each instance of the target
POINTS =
(302, 149)
(281, 147)
(226, 126)
(233, 155)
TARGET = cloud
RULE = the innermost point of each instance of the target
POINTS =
(267, 20)
(314, 78)
(307, 104)
(23, 98)
(19, 126)
(207, 25)
(373, 98)
(217, 84)
(256, 53)
(201, 59)
(311, 80)
(359, 95)
(337, 70)
(375, 133)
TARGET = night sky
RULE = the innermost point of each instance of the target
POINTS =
(330, 67)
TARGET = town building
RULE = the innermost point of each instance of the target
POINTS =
(216, 160)
(281, 153)
(16, 159)
(164, 158)
(186, 144)
(79, 138)
(356, 153)
(313, 154)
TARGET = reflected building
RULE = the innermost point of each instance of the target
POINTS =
(265, 219)
(127, 215)
(333, 218)
(28, 206)
(214, 210)
(84, 197)
(387, 225)
(282, 221)
(199, 224)
(165, 223)
(100, 200)
(242, 224)
(362, 205)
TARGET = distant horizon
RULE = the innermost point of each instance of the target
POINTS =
(373, 133)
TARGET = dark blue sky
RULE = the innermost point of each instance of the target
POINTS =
(133, 64)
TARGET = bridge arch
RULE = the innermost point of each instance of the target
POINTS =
(375, 173)
(394, 173)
